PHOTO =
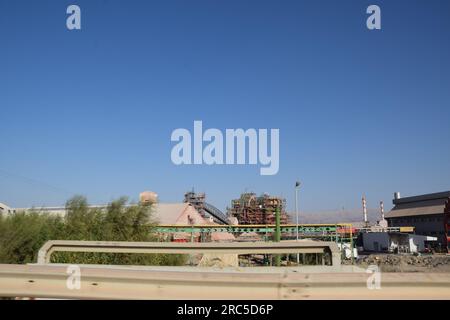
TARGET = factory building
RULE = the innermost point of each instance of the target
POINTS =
(428, 214)
(395, 242)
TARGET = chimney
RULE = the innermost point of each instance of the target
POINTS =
(382, 210)
(365, 211)
(396, 195)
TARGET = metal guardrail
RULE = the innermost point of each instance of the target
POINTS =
(283, 247)
(114, 282)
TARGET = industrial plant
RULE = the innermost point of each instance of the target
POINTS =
(255, 239)
(418, 224)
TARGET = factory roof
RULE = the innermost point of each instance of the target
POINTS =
(185, 214)
(427, 204)
(177, 213)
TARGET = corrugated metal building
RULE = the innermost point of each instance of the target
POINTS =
(428, 214)
(396, 242)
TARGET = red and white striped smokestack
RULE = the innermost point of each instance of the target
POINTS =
(382, 210)
(365, 210)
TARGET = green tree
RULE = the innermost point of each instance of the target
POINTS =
(23, 233)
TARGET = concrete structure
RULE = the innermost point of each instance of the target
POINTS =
(428, 214)
(395, 242)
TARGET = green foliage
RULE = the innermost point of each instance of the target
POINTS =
(23, 233)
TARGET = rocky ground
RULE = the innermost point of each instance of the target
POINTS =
(405, 263)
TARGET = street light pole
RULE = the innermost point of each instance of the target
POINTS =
(297, 186)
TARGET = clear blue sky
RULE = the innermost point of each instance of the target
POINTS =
(91, 112)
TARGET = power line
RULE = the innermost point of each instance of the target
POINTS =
(34, 182)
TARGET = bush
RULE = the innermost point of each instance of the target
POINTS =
(23, 233)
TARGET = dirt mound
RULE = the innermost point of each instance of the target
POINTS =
(219, 260)
(406, 263)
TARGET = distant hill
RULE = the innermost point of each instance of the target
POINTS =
(340, 216)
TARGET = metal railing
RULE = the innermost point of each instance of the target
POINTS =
(114, 282)
(284, 247)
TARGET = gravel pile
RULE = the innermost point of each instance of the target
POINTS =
(406, 263)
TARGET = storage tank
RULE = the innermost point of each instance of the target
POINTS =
(148, 197)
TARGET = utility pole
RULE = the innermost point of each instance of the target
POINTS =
(297, 186)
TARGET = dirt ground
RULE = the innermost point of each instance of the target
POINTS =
(405, 263)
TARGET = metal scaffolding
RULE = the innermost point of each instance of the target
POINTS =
(251, 209)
